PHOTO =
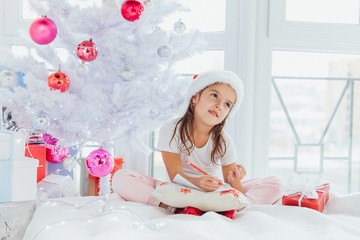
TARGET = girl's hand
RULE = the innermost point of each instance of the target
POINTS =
(209, 183)
(236, 175)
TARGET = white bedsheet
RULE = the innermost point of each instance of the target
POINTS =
(93, 219)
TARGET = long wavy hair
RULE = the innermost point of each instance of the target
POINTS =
(186, 131)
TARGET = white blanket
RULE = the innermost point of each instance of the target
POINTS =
(93, 218)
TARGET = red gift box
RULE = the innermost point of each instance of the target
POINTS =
(38, 152)
(300, 200)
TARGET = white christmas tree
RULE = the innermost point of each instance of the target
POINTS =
(127, 90)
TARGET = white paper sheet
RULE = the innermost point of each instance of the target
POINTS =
(182, 181)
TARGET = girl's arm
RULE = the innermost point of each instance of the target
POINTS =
(233, 174)
(173, 166)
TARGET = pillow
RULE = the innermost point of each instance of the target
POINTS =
(176, 195)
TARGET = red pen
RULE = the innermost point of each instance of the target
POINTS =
(197, 168)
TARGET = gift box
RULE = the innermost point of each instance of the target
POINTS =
(12, 145)
(38, 152)
(18, 179)
(314, 197)
(17, 172)
(56, 186)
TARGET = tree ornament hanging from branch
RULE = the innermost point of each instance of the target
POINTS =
(40, 121)
(99, 163)
(59, 81)
(8, 79)
(82, 70)
(179, 26)
(127, 74)
(43, 30)
(131, 10)
(164, 51)
(58, 154)
(87, 51)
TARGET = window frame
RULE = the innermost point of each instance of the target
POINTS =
(281, 29)
(283, 35)
(263, 29)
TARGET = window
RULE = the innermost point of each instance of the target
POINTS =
(312, 118)
(206, 16)
(325, 11)
(314, 82)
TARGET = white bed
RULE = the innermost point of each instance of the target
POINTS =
(94, 218)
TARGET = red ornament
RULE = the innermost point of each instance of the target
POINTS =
(59, 81)
(87, 51)
(43, 30)
(132, 9)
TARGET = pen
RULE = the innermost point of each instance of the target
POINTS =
(196, 168)
(199, 169)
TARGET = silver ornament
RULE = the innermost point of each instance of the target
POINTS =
(179, 26)
(8, 79)
(40, 121)
(82, 70)
(69, 163)
(164, 51)
(127, 74)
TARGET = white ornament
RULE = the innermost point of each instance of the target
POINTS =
(179, 26)
(164, 51)
(8, 79)
(127, 74)
(82, 70)
(40, 121)
(69, 163)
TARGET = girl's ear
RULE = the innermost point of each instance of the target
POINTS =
(195, 99)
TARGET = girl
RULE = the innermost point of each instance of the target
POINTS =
(198, 137)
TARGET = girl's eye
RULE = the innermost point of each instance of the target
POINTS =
(214, 95)
(228, 105)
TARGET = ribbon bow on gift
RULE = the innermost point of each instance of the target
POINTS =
(304, 185)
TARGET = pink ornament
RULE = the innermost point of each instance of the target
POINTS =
(131, 10)
(43, 30)
(99, 163)
(58, 154)
(87, 51)
(49, 141)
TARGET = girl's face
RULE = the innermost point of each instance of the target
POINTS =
(213, 105)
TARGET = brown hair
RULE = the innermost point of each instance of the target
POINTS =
(185, 125)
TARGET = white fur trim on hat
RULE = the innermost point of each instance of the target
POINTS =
(208, 78)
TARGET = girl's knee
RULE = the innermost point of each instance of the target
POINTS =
(276, 180)
(123, 175)
(122, 179)
(277, 185)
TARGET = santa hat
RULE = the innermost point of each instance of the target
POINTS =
(205, 79)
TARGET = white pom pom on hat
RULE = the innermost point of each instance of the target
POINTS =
(208, 78)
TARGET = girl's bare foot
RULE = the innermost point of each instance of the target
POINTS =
(163, 205)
